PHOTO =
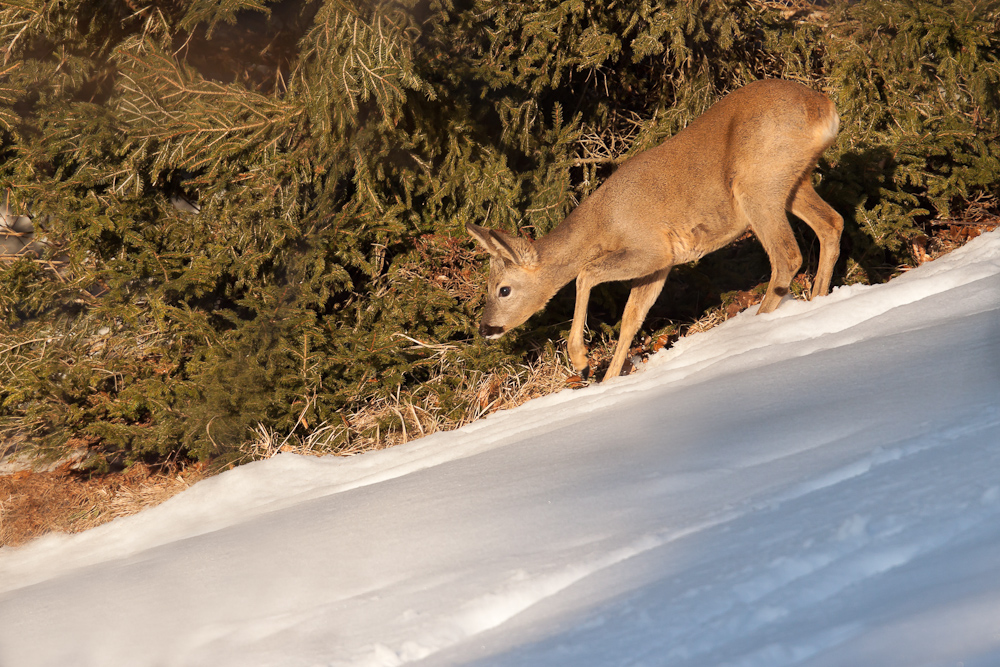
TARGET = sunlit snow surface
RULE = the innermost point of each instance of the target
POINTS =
(819, 486)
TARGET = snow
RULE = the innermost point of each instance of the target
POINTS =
(817, 486)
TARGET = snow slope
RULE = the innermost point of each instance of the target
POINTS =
(818, 486)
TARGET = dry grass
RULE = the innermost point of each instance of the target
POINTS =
(401, 418)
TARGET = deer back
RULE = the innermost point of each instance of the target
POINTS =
(679, 199)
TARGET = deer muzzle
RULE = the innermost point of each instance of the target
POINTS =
(490, 331)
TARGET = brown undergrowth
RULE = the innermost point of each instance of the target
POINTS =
(34, 503)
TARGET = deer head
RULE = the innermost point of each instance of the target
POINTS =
(517, 287)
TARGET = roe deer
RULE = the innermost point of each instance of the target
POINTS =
(741, 165)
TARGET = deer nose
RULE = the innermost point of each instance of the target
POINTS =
(490, 331)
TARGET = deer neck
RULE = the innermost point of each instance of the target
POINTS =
(563, 252)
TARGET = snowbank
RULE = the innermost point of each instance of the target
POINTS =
(816, 486)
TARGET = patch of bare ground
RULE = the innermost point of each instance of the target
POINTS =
(35, 503)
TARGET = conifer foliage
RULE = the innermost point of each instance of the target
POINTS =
(250, 213)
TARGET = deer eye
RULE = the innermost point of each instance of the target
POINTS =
(504, 291)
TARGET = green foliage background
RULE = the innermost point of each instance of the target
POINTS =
(334, 151)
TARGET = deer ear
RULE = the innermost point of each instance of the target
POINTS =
(503, 246)
(482, 236)
(516, 250)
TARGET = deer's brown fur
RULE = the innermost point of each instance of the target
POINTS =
(741, 165)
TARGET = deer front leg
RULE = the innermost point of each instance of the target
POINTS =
(640, 300)
(575, 345)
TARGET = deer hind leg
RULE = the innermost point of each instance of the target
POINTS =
(640, 300)
(770, 223)
(828, 225)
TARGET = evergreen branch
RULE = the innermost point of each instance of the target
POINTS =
(607, 159)
(212, 13)
(8, 119)
(23, 343)
(9, 22)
